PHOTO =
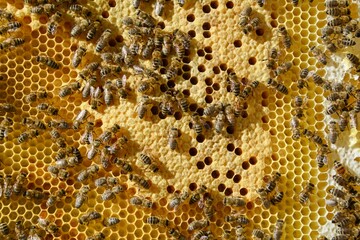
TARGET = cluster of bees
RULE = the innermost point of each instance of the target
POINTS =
(341, 28)
(8, 25)
(104, 78)
(345, 200)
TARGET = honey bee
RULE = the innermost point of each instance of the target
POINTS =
(94, 27)
(234, 83)
(88, 70)
(153, 220)
(286, 40)
(249, 89)
(31, 123)
(244, 17)
(95, 100)
(140, 181)
(220, 120)
(80, 27)
(44, 8)
(5, 127)
(173, 135)
(321, 157)
(234, 201)
(197, 123)
(136, 3)
(89, 87)
(89, 216)
(111, 193)
(55, 171)
(313, 136)
(333, 132)
(106, 181)
(198, 224)
(336, 3)
(54, 21)
(55, 197)
(103, 40)
(48, 109)
(328, 30)
(147, 86)
(78, 55)
(283, 68)
(108, 96)
(19, 182)
(212, 110)
(87, 173)
(6, 15)
(142, 107)
(270, 186)
(196, 197)
(141, 201)
(353, 119)
(252, 25)
(94, 149)
(11, 42)
(173, 69)
(263, 195)
(159, 7)
(10, 27)
(146, 19)
(240, 219)
(278, 86)
(321, 57)
(81, 196)
(337, 11)
(105, 157)
(272, 58)
(354, 60)
(97, 236)
(125, 166)
(7, 107)
(260, 234)
(178, 199)
(47, 61)
(80, 10)
(278, 232)
(148, 49)
(69, 89)
(183, 38)
(34, 194)
(176, 234)
(105, 70)
(33, 235)
(87, 136)
(167, 44)
(305, 194)
(27, 135)
(60, 125)
(20, 230)
(179, 48)
(33, 96)
(338, 193)
(4, 229)
(109, 133)
(111, 221)
(156, 59)
(277, 198)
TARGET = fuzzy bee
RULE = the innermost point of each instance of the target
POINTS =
(78, 56)
(141, 201)
(94, 149)
(153, 220)
(82, 115)
(97, 236)
(252, 25)
(146, 19)
(10, 27)
(142, 106)
(5, 127)
(20, 230)
(87, 173)
(80, 10)
(272, 58)
(11, 43)
(278, 232)
(148, 49)
(234, 201)
(48, 109)
(159, 7)
(198, 224)
(173, 69)
(55, 197)
(33, 96)
(314, 137)
(321, 57)
(178, 199)
(69, 89)
(87, 136)
(240, 219)
(31, 123)
(305, 194)
(4, 229)
(263, 196)
(7, 107)
(44, 8)
(94, 28)
(110, 194)
(54, 21)
(234, 83)
(333, 132)
(244, 17)
(283, 68)
(6, 15)
(27, 135)
(111, 221)
(198, 123)
(80, 27)
(34, 194)
(336, 3)
(354, 60)
(173, 135)
(125, 166)
(278, 86)
(140, 181)
(321, 157)
(103, 40)
(47, 61)
(81, 196)
(19, 183)
(285, 37)
(277, 198)
(95, 100)
(89, 216)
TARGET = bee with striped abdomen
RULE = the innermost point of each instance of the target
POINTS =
(47, 61)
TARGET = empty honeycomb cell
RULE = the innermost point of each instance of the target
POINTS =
(190, 18)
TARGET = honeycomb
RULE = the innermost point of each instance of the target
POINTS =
(235, 162)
